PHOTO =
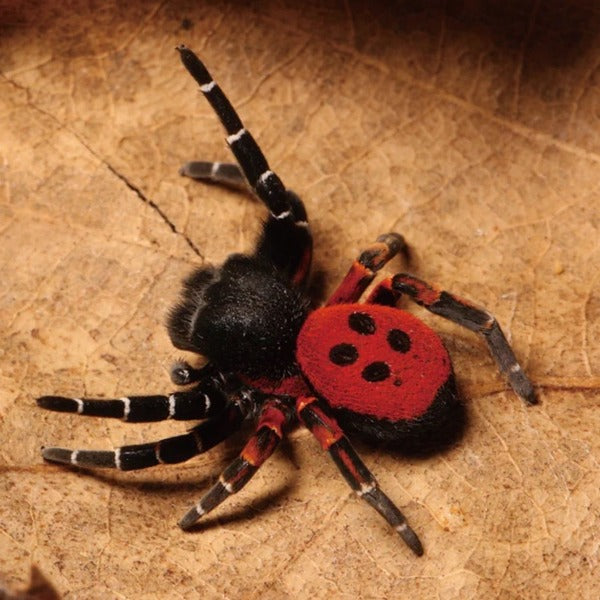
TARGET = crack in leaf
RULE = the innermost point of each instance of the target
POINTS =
(134, 188)
(154, 206)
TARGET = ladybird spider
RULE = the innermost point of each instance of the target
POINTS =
(371, 370)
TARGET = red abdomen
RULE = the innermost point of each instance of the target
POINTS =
(373, 360)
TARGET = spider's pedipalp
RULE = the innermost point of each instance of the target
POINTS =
(315, 415)
(182, 373)
(274, 417)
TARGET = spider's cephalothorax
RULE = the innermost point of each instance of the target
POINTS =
(244, 317)
(371, 369)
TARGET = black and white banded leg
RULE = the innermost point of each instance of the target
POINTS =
(261, 178)
(170, 450)
(286, 240)
(203, 401)
(226, 174)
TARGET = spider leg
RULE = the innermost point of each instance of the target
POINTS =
(314, 413)
(274, 416)
(170, 450)
(226, 174)
(262, 180)
(182, 373)
(383, 294)
(363, 269)
(204, 400)
(472, 317)
(288, 247)
(286, 241)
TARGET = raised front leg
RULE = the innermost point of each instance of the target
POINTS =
(314, 413)
(286, 241)
(472, 317)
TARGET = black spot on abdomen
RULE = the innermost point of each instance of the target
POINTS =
(343, 355)
(362, 323)
(376, 371)
(399, 340)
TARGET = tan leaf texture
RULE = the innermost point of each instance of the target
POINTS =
(472, 127)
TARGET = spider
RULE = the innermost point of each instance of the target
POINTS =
(370, 370)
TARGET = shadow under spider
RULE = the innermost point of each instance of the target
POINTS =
(244, 513)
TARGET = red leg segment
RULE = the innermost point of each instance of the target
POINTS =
(315, 415)
(269, 432)
(363, 270)
(383, 294)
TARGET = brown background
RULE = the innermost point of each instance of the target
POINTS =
(472, 127)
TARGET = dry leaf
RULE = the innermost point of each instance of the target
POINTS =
(470, 127)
